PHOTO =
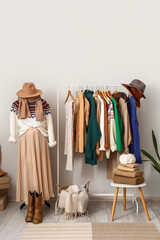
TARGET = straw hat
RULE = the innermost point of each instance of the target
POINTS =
(28, 90)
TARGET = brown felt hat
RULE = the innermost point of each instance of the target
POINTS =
(28, 90)
(137, 84)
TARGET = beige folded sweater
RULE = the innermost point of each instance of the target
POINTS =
(130, 165)
(127, 169)
(118, 172)
(128, 180)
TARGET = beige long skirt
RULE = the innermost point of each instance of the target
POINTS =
(34, 170)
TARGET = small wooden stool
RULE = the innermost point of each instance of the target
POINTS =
(124, 186)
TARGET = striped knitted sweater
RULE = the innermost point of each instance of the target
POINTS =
(22, 125)
(46, 108)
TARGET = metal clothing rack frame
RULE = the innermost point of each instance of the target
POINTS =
(79, 88)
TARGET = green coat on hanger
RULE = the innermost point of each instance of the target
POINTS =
(119, 127)
(93, 131)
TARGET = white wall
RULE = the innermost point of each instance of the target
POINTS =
(77, 42)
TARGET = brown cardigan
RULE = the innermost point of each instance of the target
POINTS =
(81, 121)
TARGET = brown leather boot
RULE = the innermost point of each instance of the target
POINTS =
(38, 209)
(30, 212)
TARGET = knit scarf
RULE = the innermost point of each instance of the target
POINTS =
(24, 112)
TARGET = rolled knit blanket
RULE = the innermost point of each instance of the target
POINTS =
(127, 158)
(118, 172)
(128, 180)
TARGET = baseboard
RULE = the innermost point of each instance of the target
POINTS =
(109, 197)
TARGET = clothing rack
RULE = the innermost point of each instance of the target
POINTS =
(78, 88)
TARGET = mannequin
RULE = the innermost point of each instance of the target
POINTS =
(32, 116)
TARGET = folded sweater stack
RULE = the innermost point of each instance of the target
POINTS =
(128, 174)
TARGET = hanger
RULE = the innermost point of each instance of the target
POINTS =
(115, 92)
(70, 94)
(105, 96)
(97, 92)
(113, 95)
(109, 94)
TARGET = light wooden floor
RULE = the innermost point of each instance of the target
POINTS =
(12, 223)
